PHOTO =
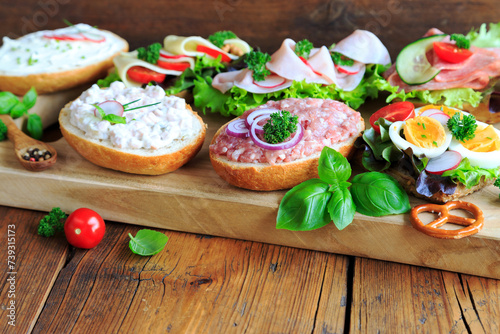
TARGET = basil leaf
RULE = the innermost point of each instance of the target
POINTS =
(18, 111)
(34, 126)
(114, 119)
(29, 98)
(333, 167)
(7, 102)
(378, 194)
(341, 207)
(303, 208)
(147, 242)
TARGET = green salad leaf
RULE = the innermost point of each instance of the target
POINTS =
(487, 36)
(11, 105)
(147, 242)
(471, 175)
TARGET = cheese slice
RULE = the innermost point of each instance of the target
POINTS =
(126, 60)
(187, 45)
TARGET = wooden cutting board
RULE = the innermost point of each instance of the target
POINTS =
(194, 199)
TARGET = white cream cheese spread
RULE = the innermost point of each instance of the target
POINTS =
(152, 127)
(35, 53)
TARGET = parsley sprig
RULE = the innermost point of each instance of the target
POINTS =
(256, 62)
(303, 48)
(463, 127)
(219, 37)
(461, 41)
(280, 127)
(340, 59)
(151, 54)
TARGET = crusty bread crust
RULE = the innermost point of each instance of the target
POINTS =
(267, 177)
(146, 162)
(408, 183)
(57, 81)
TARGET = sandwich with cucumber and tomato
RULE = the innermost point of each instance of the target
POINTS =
(344, 71)
(436, 152)
(454, 70)
(175, 63)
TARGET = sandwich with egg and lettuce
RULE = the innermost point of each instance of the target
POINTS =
(436, 152)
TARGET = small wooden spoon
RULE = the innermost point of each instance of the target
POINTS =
(23, 142)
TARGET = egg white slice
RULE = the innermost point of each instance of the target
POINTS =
(480, 159)
(402, 144)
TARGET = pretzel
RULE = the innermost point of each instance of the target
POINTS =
(472, 225)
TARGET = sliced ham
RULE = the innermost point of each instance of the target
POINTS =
(244, 80)
(365, 47)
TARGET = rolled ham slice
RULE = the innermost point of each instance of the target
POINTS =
(244, 80)
(365, 47)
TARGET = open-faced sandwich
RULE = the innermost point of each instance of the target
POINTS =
(58, 59)
(341, 72)
(452, 70)
(436, 152)
(135, 130)
(277, 145)
(176, 64)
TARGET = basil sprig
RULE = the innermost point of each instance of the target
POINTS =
(316, 202)
(11, 105)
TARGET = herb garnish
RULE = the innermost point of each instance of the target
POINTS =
(340, 59)
(52, 223)
(11, 105)
(256, 62)
(303, 48)
(219, 37)
(280, 126)
(461, 41)
(316, 202)
(497, 184)
(151, 54)
(147, 242)
(115, 119)
(462, 126)
(3, 130)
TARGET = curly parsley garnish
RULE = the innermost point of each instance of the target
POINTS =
(303, 48)
(151, 54)
(256, 62)
(463, 127)
(219, 37)
(340, 59)
(461, 41)
(280, 127)
(497, 184)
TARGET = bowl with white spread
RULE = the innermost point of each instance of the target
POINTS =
(152, 134)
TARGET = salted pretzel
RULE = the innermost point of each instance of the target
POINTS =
(472, 225)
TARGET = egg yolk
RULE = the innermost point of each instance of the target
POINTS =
(424, 132)
(485, 140)
(448, 111)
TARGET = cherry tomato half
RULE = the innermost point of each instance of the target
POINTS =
(172, 66)
(84, 228)
(144, 75)
(213, 53)
(399, 111)
(450, 52)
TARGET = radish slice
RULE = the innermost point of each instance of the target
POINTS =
(110, 107)
(429, 112)
(271, 81)
(169, 55)
(350, 70)
(237, 128)
(281, 146)
(441, 117)
(259, 112)
(447, 161)
(309, 65)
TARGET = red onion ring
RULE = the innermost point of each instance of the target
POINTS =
(256, 113)
(281, 146)
(237, 128)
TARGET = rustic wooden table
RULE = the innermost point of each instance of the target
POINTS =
(204, 284)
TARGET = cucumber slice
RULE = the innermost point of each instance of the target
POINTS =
(412, 64)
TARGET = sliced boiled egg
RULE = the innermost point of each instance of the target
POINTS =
(425, 135)
(483, 150)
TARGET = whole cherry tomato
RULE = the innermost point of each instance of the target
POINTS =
(144, 75)
(84, 228)
(399, 111)
(450, 52)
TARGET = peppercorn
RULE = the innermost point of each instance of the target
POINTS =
(35, 154)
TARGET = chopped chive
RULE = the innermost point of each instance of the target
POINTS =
(423, 125)
(148, 105)
(126, 104)
(18, 60)
(83, 57)
(423, 136)
(435, 143)
(489, 138)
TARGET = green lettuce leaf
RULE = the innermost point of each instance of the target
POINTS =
(486, 38)
(471, 175)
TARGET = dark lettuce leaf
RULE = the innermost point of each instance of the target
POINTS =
(429, 184)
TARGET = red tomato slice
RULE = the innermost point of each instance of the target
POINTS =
(144, 75)
(84, 228)
(399, 111)
(450, 52)
(172, 66)
(213, 53)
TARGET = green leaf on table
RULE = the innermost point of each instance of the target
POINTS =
(377, 194)
(7, 102)
(29, 99)
(19, 110)
(34, 126)
(341, 207)
(147, 242)
(333, 167)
